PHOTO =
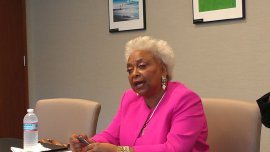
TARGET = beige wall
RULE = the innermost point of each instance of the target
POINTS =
(72, 54)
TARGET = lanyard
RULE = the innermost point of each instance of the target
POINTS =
(149, 118)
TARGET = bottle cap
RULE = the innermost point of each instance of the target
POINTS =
(30, 110)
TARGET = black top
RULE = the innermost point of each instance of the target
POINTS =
(6, 143)
(264, 106)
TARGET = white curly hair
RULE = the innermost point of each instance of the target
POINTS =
(159, 48)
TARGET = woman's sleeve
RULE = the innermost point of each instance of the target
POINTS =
(188, 122)
(111, 133)
(264, 106)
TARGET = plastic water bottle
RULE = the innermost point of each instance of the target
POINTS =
(30, 130)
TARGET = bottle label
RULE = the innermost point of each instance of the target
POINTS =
(30, 126)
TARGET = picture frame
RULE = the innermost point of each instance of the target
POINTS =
(127, 15)
(217, 10)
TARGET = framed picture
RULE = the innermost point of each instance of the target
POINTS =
(217, 10)
(126, 15)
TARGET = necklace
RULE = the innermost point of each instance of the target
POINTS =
(150, 117)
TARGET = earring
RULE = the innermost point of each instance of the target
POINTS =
(163, 82)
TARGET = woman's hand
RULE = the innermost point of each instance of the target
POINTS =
(101, 147)
(76, 145)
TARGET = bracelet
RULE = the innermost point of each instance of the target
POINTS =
(123, 149)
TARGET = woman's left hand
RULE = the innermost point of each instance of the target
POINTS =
(101, 147)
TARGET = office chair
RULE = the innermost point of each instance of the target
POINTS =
(233, 125)
(60, 117)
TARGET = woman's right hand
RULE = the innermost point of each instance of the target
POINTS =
(75, 145)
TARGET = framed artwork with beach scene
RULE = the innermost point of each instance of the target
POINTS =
(217, 10)
(127, 15)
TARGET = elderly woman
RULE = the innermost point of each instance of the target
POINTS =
(156, 115)
(264, 105)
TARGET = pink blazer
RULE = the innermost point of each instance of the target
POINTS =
(178, 124)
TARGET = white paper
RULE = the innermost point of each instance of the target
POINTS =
(37, 148)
